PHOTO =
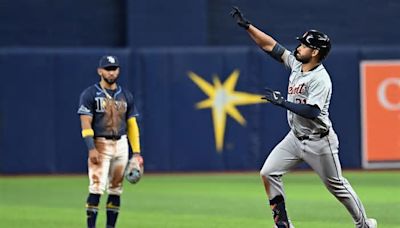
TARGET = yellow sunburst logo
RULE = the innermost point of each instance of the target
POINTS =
(223, 100)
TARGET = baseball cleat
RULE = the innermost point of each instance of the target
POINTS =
(372, 223)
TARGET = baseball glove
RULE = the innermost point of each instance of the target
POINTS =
(134, 170)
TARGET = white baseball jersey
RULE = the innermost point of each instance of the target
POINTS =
(313, 88)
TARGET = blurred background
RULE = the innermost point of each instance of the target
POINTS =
(49, 51)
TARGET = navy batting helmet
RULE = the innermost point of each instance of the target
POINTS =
(316, 40)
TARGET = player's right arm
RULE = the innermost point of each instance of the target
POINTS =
(86, 112)
(88, 138)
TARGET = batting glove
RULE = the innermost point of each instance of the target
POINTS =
(240, 19)
(274, 96)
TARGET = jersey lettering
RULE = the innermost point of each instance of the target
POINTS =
(100, 104)
(297, 89)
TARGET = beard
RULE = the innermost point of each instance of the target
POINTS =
(302, 59)
(110, 81)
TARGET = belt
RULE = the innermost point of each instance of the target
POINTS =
(304, 137)
(109, 137)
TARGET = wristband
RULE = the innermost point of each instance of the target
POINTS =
(89, 141)
(277, 52)
(87, 132)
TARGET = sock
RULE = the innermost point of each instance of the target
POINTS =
(113, 204)
(92, 206)
(279, 211)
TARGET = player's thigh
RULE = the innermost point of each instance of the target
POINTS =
(98, 173)
(325, 160)
(283, 157)
(118, 165)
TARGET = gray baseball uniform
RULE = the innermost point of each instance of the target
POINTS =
(311, 140)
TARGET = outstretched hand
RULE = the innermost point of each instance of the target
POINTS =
(274, 96)
(240, 19)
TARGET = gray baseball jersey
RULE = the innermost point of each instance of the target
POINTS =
(313, 88)
(320, 150)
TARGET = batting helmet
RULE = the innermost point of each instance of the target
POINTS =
(316, 40)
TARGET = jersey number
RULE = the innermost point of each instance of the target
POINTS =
(301, 101)
(100, 102)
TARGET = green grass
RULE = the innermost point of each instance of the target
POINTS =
(197, 200)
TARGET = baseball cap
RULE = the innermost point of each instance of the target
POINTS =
(108, 61)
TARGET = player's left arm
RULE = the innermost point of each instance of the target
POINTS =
(305, 110)
(134, 140)
(134, 169)
(133, 135)
(133, 128)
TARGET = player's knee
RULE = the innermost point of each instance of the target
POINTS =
(97, 188)
(336, 185)
(265, 172)
(114, 191)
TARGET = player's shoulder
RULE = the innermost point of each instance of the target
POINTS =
(291, 61)
(322, 75)
(91, 90)
(322, 72)
(125, 91)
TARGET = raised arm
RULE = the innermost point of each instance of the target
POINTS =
(263, 40)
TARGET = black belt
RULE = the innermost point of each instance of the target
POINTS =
(304, 137)
(110, 137)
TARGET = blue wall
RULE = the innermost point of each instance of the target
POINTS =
(353, 22)
(49, 53)
(138, 23)
(62, 23)
(40, 130)
(166, 23)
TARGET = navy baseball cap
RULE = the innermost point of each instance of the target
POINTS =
(108, 61)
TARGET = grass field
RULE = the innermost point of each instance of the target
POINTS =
(197, 200)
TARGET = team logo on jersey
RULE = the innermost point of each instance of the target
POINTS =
(103, 103)
(222, 101)
(297, 89)
(83, 109)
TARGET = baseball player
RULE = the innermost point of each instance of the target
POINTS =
(108, 119)
(312, 138)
